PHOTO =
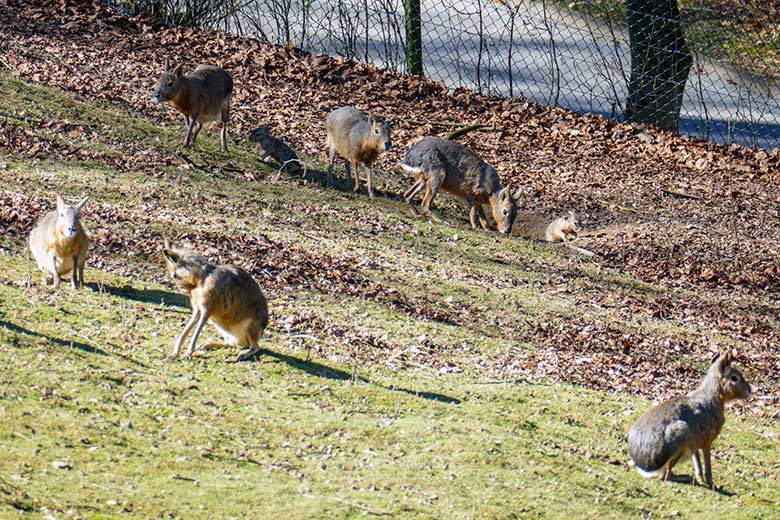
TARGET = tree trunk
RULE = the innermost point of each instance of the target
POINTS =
(660, 62)
(413, 37)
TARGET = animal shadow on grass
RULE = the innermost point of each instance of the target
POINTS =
(324, 371)
(57, 341)
(145, 295)
(342, 184)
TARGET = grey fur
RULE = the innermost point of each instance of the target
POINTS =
(440, 164)
(686, 426)
(359, 138)
(277, 149)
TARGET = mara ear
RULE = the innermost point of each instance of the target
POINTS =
(506, 193)
(81, 203)
(60, 203)
(724, 359)
(171, 256)
(517, 194)
(177, 71)
(167, 64)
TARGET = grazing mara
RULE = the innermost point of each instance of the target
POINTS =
(202, 96)
(686, 427)
(439, 164)
(359, 138)
(226, 295)
(59, 243)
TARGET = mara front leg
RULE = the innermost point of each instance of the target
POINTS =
(83, 260)
(482, 218)
(225, 116)
(353, 176)
(74, 279)
(472, 212)
(187, 328)
(190, 139)
(204, 317)
(370, 181)
(55, 271)
(708, 467)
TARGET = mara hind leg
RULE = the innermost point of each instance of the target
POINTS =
(251, 338)
(411, 192)
(669, 476)
(331, 158)
(431, 190)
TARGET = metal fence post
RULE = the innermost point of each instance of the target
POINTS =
(413, 37)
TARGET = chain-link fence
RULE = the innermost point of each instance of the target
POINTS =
(712, 68)
(575, 55)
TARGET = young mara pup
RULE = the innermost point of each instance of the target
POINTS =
(562, 229)
(685, 427)
(59, 244)
(226, 295)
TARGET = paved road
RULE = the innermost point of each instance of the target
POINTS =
(557, 58)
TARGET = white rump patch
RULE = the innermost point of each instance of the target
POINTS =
(411, 169)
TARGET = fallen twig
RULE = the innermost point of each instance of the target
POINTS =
(285, 163)
(680, 194)
(464, 130)
(366, 509)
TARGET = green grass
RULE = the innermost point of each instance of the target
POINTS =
(351, 411)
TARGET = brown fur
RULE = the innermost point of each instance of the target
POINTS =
(202, 96)
(359, 138)
(562, 229)
(225, 295)
(438, 164)
(59, 243)
(686, 427)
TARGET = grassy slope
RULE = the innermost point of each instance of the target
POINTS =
(306, 431)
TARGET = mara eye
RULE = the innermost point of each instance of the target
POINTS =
(505, 211)
(170, 83)
(376, 131)
(734, 379)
